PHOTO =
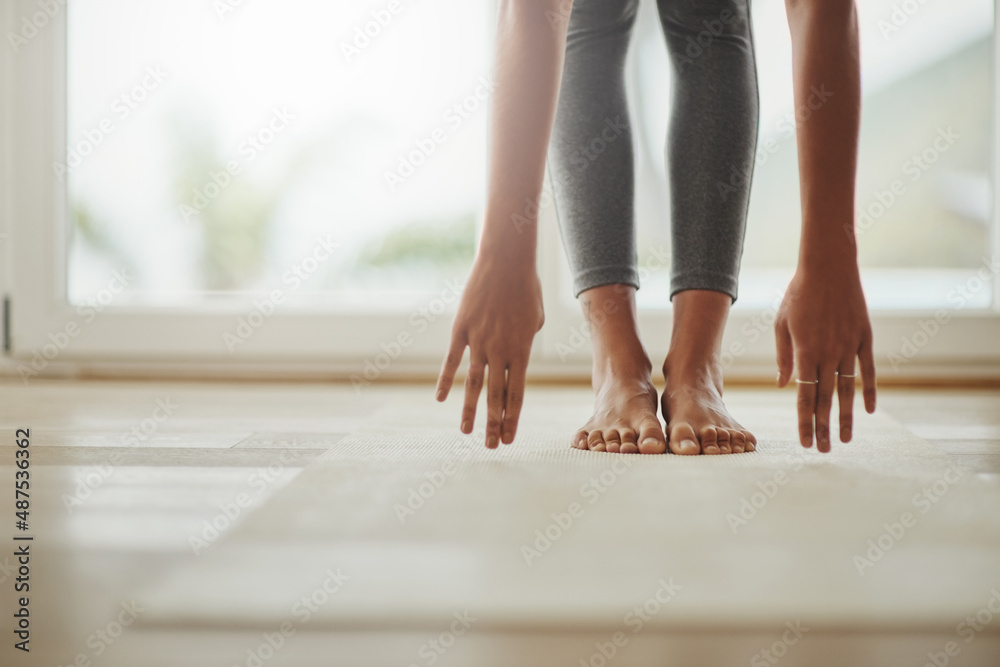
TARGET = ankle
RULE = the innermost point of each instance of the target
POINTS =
(622, 358)
(693, 368)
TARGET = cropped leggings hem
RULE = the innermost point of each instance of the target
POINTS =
(710, 147)
(716, 282)
(590, 278)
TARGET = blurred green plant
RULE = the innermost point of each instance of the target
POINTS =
(446, 245)
(94, 234)
(235, 224)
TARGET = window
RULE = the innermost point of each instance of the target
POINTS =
(298, 185)
(924, 191)
(215, 150)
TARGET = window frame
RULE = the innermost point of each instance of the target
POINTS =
(306, 342)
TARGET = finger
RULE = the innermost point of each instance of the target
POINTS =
(516, 373)
(452, 360)
(473, 385)
(496, 382)
(824, 404)
(866, 357)
(845, 396)
(806, 402)
(783, 339)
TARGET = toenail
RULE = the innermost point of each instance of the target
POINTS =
(688, 444)
(650, 441)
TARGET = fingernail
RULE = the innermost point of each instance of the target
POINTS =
(439, 395)
(491, 442)
(466, 426)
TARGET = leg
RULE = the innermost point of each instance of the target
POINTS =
(712, 139)
(624, 395)
(697, 419)
(590, 153)
(710, 151)
(591, 164)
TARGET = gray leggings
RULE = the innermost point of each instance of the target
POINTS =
(710, 144)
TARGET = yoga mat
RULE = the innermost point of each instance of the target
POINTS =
(415, 523)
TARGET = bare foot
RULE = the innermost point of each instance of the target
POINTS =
(625, 418)
(697, 419)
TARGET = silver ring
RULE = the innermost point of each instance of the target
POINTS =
(807, 381)
(846, 375)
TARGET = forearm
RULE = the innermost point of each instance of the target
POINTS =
(529, 60)
(827, 83)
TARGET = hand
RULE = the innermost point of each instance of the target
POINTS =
(823, 325)
(498, 317)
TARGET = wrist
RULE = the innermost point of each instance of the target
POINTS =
(829, 274)
(505, 246)
(828, 247)
(506, 262)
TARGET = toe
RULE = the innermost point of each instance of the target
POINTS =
(724, 439)
(580, 439)
(751, 441)
(683, 440)
(651, 440)
(595, 442)
(628, 440)
(738, 439)
(709, 440)
(612, 441)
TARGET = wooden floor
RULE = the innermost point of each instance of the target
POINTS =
(123, 474)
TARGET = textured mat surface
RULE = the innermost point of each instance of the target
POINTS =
(416, 523)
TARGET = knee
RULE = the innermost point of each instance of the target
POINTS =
(601, 16)
(695, 29)
(691, 18)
